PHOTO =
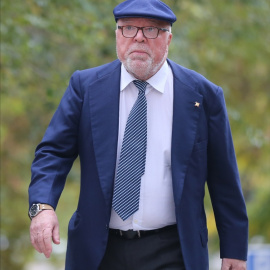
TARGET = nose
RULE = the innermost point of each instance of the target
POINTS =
(140, 37)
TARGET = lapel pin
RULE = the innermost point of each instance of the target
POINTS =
(197, 104)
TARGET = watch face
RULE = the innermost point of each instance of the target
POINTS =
(34, 210)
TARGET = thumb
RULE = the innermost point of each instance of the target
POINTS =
(56, 235)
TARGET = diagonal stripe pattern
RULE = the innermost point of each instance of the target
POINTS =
(132, 158)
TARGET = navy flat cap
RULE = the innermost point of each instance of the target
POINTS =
(152, 9)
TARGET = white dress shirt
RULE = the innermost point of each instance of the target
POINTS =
(156, 206)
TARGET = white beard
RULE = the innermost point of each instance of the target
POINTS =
(145, 68)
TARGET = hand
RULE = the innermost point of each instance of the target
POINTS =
(232, 264)
(43, 230)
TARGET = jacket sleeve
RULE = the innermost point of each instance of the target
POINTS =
(224, 184)
(59, 148)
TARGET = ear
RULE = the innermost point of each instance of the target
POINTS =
(169, 39)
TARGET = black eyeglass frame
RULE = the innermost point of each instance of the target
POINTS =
(141, 28)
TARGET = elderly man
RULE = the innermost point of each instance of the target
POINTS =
(150, 134)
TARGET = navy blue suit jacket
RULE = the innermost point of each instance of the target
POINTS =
(86, 124)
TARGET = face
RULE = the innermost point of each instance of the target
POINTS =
(142, 57)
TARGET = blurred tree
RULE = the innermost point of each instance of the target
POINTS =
(43, 42)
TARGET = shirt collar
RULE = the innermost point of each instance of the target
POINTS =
(157, 81)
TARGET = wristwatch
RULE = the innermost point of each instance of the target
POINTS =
(36, 208)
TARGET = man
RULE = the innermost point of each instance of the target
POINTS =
(145, 158)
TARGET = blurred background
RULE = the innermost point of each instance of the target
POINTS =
(43, 42)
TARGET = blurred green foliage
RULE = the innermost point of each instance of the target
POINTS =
(43, 42)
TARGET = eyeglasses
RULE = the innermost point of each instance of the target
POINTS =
(150, 32)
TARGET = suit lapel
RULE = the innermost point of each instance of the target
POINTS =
(185, 121)
(104, 112)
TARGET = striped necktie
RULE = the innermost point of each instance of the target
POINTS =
(132, 158)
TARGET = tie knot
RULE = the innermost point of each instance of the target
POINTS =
(141, 85)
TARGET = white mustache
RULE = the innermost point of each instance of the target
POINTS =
(142, 48)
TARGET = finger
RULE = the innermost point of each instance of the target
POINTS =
(225, 266)
(56, 235)
(40, 242)
(34, 242)
(47, 238)
(33, 238)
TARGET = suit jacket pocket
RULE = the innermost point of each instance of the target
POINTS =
(204, 236)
